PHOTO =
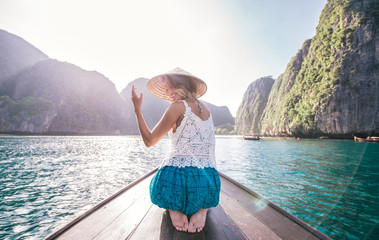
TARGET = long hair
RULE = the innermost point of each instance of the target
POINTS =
(183, 85)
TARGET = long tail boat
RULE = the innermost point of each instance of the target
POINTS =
(368, 139)
(251, 138)
(241, 214)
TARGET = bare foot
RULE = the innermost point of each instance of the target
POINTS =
(197, 221)
(179, 220)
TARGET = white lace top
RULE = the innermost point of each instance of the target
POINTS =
(193, 143)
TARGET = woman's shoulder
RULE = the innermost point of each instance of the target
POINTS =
(177, 107)
(179, 103)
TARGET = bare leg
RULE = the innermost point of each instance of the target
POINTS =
(197, 221)
(179, 220)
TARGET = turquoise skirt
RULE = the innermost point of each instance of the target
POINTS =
(185, 189)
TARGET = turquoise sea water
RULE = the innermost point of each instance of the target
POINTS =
(46, 181)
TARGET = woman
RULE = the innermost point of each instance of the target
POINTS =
(187, 182)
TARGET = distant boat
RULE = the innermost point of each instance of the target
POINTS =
(368, 139)
(241, 214)
(251, 138)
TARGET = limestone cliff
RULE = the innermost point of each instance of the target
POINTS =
(80, 102)
(16, 55)
(353, 103)
(331, 86)
(274, 120)
(220, 114)
(28, 114)
(253, 104)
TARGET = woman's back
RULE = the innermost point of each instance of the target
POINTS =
(193, 142)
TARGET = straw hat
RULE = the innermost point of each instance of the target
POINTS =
(157, 87)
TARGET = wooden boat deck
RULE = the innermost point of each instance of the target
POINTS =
(241, 214)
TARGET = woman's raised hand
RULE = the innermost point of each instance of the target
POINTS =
(137, 100)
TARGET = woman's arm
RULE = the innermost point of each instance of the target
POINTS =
(150, 138)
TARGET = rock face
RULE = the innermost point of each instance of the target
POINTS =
(80, 101)
(253, 104)
(274, 120)
(153, 108)
(29, 114)
(220, 114)
(39, 95)
(331, 86)
(16, 55)
(352, 106)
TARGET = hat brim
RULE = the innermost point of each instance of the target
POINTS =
(158, 88)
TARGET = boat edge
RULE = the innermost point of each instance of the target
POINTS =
(297, 220)
(66, 227)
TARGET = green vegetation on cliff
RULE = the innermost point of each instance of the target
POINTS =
(321, 70)
(29, 105)
(331, 86)
(275, 116)
(225, 129)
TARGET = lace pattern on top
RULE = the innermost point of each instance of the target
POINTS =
(193, 143)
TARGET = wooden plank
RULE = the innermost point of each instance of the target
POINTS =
(280, 221)
(151, 225)
(158, 224)
(188, 236)
(123, 226)
(282, 226)
(90, 226)
(177, 235)
(252, 227)
(219, 226)
(166, 230)
(68, 227)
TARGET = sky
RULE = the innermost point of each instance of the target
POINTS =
(227, 43)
